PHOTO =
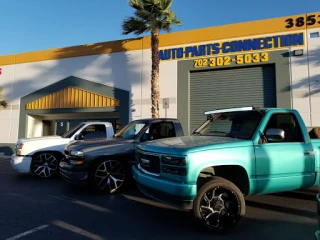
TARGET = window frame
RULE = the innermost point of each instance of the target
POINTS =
(87, 132)
(159, 123)
(266, 125)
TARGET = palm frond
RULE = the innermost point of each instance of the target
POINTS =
(165, 5)
(144, 15)
(136, 4)
(134, 25)
(176, 21)
(150, 15)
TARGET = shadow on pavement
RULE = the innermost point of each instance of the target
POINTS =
(80, 213)
(281, 209)
(296, 195)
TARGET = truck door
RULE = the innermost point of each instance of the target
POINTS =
(285, 165)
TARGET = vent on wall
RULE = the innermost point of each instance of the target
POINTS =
(314, 35)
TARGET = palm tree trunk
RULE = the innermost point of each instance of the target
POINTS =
(155, 88)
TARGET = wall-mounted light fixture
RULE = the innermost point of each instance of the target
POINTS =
(298, 52)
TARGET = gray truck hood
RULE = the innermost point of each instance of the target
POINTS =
(94, 144)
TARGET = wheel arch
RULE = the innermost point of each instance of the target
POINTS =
(56, 152)
(94, 160)
(235, 173)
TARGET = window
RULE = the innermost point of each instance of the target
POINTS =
(314, 35)
(131, 130)
(72, 131)
(160, 130)
(242, 125)
(94, 131)
(289, 124)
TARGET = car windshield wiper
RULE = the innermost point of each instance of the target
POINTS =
(196, 133)
(119, 136)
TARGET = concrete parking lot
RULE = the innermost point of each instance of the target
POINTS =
(51, 209)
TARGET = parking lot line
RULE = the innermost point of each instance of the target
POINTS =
(28, 232)
(76, 230)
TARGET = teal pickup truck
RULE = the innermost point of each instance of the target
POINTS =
(236, 152)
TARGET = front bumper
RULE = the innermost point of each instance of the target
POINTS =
(178, 195)
(21, 163)
(317, 233)
(72, 175)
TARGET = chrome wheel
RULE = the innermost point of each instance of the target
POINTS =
(220, 208)
(109, 175)
(45, 165)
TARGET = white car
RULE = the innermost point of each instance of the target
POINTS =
(41, 155)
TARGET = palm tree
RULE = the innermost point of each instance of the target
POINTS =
(151, 16)
(3, 103)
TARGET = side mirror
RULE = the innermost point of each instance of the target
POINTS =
(79, 136)
(275, 134)
(146, 137)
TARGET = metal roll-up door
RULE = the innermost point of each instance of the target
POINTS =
(234, 87)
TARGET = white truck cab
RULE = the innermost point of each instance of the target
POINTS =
(41, 155)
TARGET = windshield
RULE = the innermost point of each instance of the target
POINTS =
(240, 124)
(72, 131)
(131, 130)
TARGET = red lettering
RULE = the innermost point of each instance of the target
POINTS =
(0, 71)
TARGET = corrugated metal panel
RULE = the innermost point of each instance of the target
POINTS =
(235, 87)
(72, 97)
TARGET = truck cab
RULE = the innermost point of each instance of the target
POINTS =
(105, 165)
(41, 155)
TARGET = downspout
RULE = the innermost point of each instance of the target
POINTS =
(13, 80)
(308, 62)
(141, 70)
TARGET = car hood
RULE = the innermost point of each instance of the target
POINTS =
(96, 144)
(187, 144)
(25, 140)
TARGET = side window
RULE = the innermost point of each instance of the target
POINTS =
(289, 124)
(94, 131)
(161, 130)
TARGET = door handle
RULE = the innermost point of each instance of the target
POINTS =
(307, 153)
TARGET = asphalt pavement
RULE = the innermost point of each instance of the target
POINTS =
(32, 208)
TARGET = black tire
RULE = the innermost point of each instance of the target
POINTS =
(202, 208)
(45, 164)
(109, 180)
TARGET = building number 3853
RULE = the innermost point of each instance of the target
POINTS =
(302, 21)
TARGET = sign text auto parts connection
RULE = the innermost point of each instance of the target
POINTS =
(250, 44)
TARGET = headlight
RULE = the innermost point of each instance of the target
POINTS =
(176, 161)
(19, 146)
(76, 153)
(19, 149)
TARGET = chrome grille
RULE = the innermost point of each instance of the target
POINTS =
(148, 162)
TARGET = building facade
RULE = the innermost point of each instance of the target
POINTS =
(266, 63)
